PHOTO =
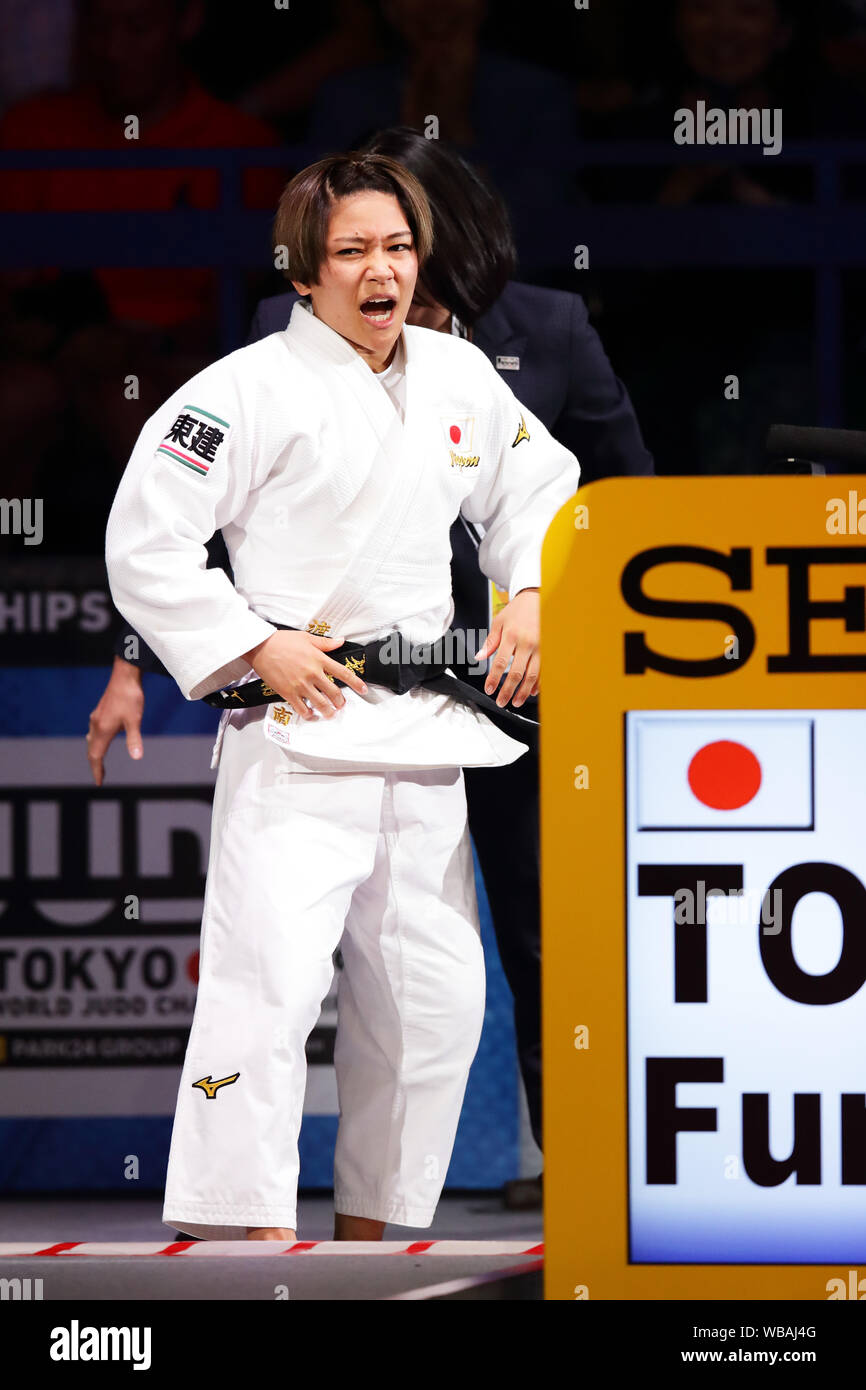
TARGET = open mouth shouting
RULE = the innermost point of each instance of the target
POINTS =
(379, 310)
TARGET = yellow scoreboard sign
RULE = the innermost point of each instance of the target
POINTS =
(703, 835)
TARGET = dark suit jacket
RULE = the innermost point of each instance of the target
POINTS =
(564, 377)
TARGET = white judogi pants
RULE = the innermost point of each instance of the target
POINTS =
(299, 860)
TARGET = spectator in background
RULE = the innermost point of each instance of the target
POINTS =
(610, 58)
(35, 47)
(69, 341)
(286, 93)
(843, 45)
(728, 54)
(518, 120)
(731, 50)
(842, 25)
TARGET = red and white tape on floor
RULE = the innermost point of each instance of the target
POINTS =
(244, 1248)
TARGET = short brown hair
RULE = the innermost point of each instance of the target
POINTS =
(304, 209)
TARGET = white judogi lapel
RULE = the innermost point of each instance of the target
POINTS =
(394, 470)
(334, 510)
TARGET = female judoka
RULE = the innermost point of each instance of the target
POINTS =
(334, 456)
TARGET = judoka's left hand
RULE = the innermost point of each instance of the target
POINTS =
(514, 636)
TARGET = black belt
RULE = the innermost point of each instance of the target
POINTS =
(368, 661)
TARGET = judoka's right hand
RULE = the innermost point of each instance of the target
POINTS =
(295, 664)
(121, 707)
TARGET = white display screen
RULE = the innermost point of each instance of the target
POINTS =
(746, 802)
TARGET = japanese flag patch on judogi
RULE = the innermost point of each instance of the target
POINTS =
(195, 439)
(458, 431)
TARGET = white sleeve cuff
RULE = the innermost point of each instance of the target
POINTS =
(196, 682)
(527, 575)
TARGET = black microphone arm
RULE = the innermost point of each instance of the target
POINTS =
(801, 442)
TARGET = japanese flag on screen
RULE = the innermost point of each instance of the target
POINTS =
(724, 771)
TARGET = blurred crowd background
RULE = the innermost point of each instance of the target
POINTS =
(748, 264)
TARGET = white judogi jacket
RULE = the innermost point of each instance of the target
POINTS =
(335, 511)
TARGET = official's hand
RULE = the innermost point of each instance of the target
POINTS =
(121, 707)
(295, 665)
(514, 636)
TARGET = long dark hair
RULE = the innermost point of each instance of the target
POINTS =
(473, 253)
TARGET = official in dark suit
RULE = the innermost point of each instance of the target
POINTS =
(543, 346)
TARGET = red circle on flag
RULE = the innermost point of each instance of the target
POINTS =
(192, 967)
(724, 775)
(455, 434)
